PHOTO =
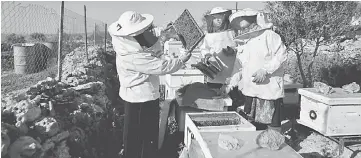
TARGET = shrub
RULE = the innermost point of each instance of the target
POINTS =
(336, 70)
(38, 37)
(13, 38)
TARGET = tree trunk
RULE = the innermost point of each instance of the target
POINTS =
(310, 66)
(299, 63)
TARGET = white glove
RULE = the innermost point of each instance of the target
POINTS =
(236, 78)
(185, 55)
(233, 81)
(158, 30)
(259, 76)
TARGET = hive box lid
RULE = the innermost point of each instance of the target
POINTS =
(250, 149)
(339, 97)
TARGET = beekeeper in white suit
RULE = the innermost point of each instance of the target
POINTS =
(218, 42)
(137, 47)
(261, 54)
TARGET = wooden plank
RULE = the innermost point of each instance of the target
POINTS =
(338, 98)
(249, 150)
(60, 43)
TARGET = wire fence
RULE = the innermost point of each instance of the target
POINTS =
(30, 37)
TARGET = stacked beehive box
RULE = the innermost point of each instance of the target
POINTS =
(335, 114)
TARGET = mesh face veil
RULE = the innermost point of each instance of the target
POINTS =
(225, 25)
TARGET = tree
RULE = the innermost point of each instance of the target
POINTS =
(38, 37)
(78, 37)
(310, 23)
(13, 39)
(358, 10)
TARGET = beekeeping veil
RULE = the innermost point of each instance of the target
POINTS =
(261, 21)
(225, 21)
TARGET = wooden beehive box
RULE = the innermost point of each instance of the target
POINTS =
(181, 78)
(214, 122)
(203, 129)
(336, 114)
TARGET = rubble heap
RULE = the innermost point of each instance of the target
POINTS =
(72, 118)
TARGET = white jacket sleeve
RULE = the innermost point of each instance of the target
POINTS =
(236, 75)
(205, 48)
(149, 64)
(277, 50)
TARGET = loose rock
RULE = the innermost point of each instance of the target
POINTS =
(228, 142)
(48, 126)
(24, 146)
(270, 139)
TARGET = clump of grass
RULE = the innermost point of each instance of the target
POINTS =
(13, 82)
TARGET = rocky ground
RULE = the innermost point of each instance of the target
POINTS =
(72, 118)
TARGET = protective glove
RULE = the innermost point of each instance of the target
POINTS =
(185, 55)
(158, 31)
(207, 56)
(259, 76)
(228, 51)
(232, 82)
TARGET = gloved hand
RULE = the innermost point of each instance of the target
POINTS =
(259, 76)
(234, 80)
(224, 90)
(157, 54)
(185, 55)
(228, 51)
(207, 56)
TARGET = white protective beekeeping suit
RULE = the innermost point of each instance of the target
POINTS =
(215, 40)
(261, 49)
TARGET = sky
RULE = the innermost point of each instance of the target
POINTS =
(163, 11)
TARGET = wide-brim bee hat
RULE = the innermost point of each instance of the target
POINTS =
(131, 23)
(218, 11)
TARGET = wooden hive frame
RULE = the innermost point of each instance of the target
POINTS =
(188, 30)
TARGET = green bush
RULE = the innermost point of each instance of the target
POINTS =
(38, 37)
(7, 63)
(335, 69)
